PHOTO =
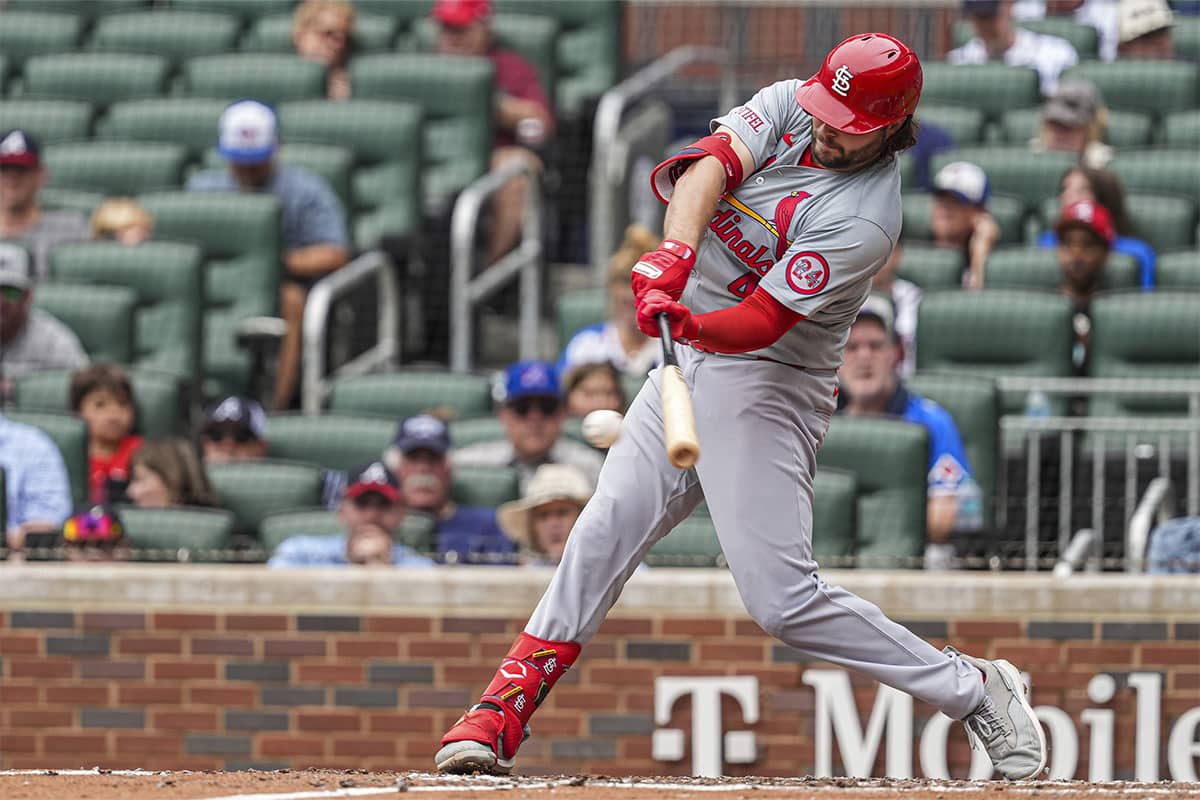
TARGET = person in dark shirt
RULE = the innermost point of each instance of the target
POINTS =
(462, 534)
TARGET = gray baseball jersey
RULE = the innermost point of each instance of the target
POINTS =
(812, 237)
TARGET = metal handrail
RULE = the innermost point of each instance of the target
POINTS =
(525, 260)
(370, 265)
(1157, 505)
(606, 176)
(1075, 554)
(1157, 387)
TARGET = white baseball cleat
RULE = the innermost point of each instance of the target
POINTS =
(1004, 723)
(460, 758)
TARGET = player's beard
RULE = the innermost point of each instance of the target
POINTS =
(843, 161)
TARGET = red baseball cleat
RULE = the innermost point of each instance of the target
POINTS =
(485, 739)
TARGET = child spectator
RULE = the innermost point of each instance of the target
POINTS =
(102, 396)
(121, 219)
(594, 386)
(960, 218)
(322, 31)
(167, 472)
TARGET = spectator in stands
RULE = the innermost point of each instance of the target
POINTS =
(234, 429)
(1073, 121)
(1145, 30)
(906, 299)
(524, 121)
(462, 534)
(36, 487)
(167, 472)
(22, 217)
(1086, 185)
(314, 236)
(322, 31)
(1085, 239)
(102, 396)
(998, 38)
(30, 338)
(1098, 14)
(94, 534)
(1175, 547)
(121, 219)
(618, 339)
(591, 387)
(370, 514)
(532, 414)
(871, 386)
(541, 520)
(960, 218)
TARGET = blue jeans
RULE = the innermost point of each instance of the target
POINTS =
(1175, 546)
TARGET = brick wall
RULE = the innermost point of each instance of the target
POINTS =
(323, 673)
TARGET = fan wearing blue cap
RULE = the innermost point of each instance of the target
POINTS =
(313, 231)
(960, 219)
(532, 412)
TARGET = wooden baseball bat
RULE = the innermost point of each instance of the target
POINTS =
(679, 421)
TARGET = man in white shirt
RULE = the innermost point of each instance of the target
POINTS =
(1100, 14)
(997, 38)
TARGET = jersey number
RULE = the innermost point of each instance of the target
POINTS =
(745, 285)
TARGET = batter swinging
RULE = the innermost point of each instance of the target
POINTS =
(775, 225)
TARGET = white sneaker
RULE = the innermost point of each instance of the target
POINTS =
(1004, 723)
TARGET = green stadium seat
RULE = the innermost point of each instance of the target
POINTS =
(835, 517)
(890, 460)
(51, 121)
(166, 278)
(1166, 222)
(101, 316)
(97, 78)
(373, 33)
(691, 543)
(1181, 130)
(455, 94)
(158, 396)
(1014, 170)
(931, 267)
(994, 89)
(996, 332)
(477, 429)
(1178, 271)
(253, 490)
(589, 45)
(416, 531)
(176, 35)
(1083, 38)
(86, 10)
(1006, 209)
(116, 168)
(24, 34)
(1160, 172)
(1185, 35)
(974, 403)
(1125, 129)
(239, 235)
(1037, 268)
(246, 10)
(1152, 87)
(332, 441)
(413, 391)
(269, 77)
(69, 433)
(385, 140)
(5, 69)
(78, 200)
(182, 533)
(578, 309)
(187, 121)
(1144, 335)
(965, 125)
(484, 486)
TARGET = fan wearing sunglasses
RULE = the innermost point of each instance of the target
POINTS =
(234, 430)
(532, 413)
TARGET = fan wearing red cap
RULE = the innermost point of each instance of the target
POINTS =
(1085, 238)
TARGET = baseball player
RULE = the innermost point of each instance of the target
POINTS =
(775, 225)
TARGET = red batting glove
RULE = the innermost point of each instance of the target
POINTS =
(666, 269)
(655, 302)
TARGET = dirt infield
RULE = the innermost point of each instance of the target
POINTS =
(304, 784)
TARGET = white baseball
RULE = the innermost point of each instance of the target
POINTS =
(602, 427)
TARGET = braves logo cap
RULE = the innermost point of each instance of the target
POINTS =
(247, 133)
(19, 149)
(423, 432)
(241, 412)
(373, 478)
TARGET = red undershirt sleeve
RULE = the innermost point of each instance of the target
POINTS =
(756, 322)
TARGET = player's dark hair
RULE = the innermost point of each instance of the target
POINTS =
(900, 141)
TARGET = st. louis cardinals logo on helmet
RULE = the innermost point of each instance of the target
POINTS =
(807, 273)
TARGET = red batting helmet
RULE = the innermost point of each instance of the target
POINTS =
(868, 81)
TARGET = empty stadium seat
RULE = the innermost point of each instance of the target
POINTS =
(965, 125)
(1160, 171)
(69, 433)
(1181, 130)
(332, 441)
(246, 10)
(269, 77)
(1007, 210)
(101, 316)
(5, 69)
(116, 168)
(1152, 87)
(994, 89)
(182, 533)
(1178, 271)
(416, 531)
(157, 395)
(455, 94)
(835, 516)
(176, 35)
(578, 309)
(1014, 170)
(166, 278)
(373, 33)
(78, 200)
(1166, 222)
(477, 429)
(413, 391)
(1082, 37)
(691, 543)
(484, 486)
(97, 78)
(1124, 129)
(50, 121)
(890, 460)
(996, 332)
(1185, 35)
(24, 34)
(187, 121)
(1037, 268)
(253, 490)
(931, 267)
(84, 9)
(239, 235)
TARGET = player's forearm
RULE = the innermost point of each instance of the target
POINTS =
(756, 322)
(694, 201)
(315, 260)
